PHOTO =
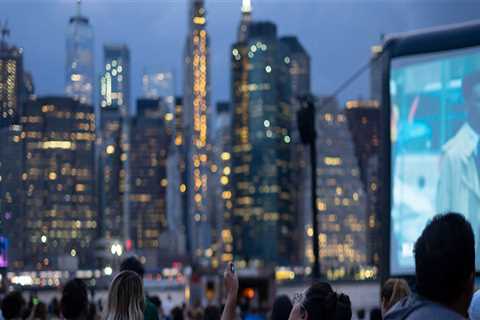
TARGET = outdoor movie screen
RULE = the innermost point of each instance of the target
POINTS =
(435, 156)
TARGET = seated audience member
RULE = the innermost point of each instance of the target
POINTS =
(74, 301)
(282, 306)
(321, 302)
(445, 271)
(133, 264)
(474, 310)
(393, 291)
(177, 313)
(126, 299)
(13, 306)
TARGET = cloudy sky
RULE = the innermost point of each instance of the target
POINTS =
(337, 34)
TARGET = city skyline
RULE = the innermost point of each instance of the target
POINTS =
(346, 18)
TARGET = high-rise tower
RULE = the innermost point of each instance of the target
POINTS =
(79, 68)
(196, 104)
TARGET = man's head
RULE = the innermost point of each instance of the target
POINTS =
(74, 301)
(13, 305)
(445, 261)
(132, 264)
(471, 92)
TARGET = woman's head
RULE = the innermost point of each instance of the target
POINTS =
(125, 297)
(321, 302)
(393, 291)
(282, 306)
(74, 301)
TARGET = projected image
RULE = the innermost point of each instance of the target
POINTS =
(435, 122)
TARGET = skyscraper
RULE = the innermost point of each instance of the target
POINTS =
(59, 184)
(223, 183)
(364, 118)
(243, 29)
(11, 80)
(341, 200)
(196, 106)
(296, 60)
(113, 144)
(115, 81)
(79, 69)
(148, 167)
(263, 219)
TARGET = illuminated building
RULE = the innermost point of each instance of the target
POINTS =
(60, 213)
(148, 191)
(263, 218)
(11, 81)
(156, 84)
(196, 105)
(243, 29)
(363, 118)
(113, 144)
(11, 193)
(79, 72)
(115, 80)
(296, 60)
(341, 201)
(222, 170)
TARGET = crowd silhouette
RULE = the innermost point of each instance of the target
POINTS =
(444, 289)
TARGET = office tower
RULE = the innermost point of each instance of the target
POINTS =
(60, 217)
(11, 193)
(148, 164)
(156, 84)
(341, 200)
(11, 80)
(363, 118)
(243, 29)
(222, 183)
(296, 60)
(263, 219)
(113, 145)
(79, 69)
(115, 81)
(196, 105)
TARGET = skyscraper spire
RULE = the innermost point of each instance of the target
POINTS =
(246, 6)
(79, 8)
(245, 21)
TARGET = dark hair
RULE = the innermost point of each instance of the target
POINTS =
(177, 313)
(321, 302)
(376, 314)
(468, 82)
(12, 305)
(74, 301)
(155, 300)
(40, 311)
(212, 313)
(444, 258)
(282, 306)
(393, 291)
(132, 264)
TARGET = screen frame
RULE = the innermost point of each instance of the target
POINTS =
(435, 40)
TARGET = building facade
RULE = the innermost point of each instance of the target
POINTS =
(79, 68)
(341, 200)
(148, 191)
(263, 219)
(113, 147)
(60, 209)
(197, 110)
(11, 82)
(364, 123)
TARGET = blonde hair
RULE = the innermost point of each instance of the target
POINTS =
(126, 300)
(393, 291)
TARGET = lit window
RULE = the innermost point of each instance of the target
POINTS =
(266, 123)
(110, 149)
(268, 69)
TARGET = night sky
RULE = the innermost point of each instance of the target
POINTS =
(337, 34)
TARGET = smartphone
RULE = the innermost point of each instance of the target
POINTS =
(232, 267)
(35, 301)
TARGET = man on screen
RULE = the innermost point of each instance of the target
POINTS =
(459, 183)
